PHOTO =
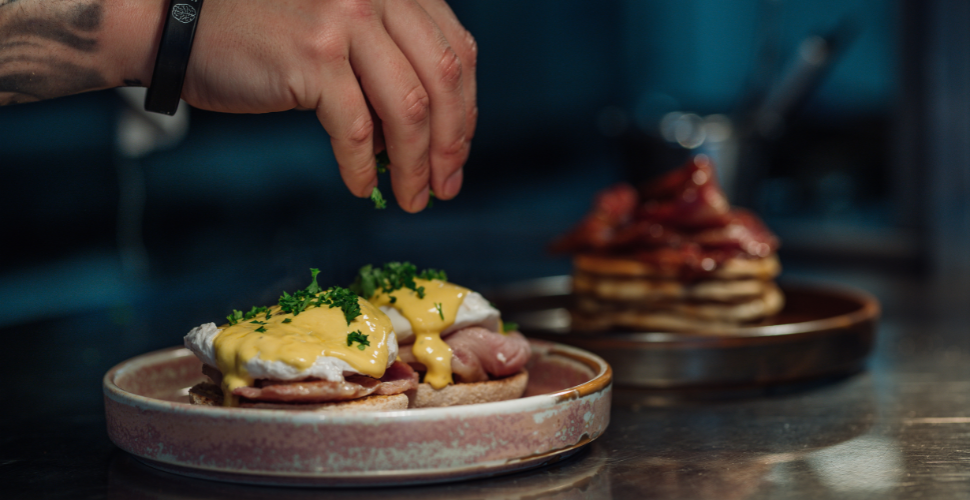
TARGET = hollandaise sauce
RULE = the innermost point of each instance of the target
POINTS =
(429, 316)
(298, 340)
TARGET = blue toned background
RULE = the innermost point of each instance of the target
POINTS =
(571, 95)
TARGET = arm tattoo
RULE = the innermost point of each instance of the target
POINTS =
(39, 40)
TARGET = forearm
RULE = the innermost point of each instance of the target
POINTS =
(51, 48)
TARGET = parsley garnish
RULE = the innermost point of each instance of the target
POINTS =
(383, 161)
(437, 306)
(508, 326)
(313, 295)
(433, 274)
(379, 202)
(300, 300)
(390, 277)
(238, 316)
(359, 338)
(344, 299)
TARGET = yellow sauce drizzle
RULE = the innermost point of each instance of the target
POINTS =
(427, 323)
(434, 354)
(317, 331)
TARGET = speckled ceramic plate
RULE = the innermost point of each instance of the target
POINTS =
(566, 405)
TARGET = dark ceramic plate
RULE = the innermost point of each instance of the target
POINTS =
(822, 331)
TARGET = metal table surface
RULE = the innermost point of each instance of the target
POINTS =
(901, 429)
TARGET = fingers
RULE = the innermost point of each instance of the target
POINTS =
(464, 45)
(415, 63)
(403, 106)
(343, 112)
(440, 71)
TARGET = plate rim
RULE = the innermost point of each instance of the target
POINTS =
(869, 310)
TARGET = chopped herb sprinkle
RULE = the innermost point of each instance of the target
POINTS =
(297, 302)
(390, 277)
(361, 340)
(238, 316)
(379, 202)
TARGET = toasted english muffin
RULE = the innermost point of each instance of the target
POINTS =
(511, 387)
(209, 394)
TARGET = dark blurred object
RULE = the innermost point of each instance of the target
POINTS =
(933, 133)
(768, 117)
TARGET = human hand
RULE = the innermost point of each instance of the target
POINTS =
(398, 74)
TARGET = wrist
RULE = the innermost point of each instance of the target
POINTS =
(134, 28)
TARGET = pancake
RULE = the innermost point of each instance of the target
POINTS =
(671, 256)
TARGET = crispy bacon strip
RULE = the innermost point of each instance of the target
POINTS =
(612, 208)
(680, 221)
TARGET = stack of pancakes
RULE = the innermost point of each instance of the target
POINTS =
(674, 256)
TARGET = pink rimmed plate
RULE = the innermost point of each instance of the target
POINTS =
(566, 405)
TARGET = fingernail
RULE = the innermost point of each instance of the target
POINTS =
(453, 184)
(419, 202)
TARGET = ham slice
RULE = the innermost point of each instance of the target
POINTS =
(397, 379)
(400, 377)
(478, 354)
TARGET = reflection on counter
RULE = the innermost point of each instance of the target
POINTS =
(867, 464)
(580, 477)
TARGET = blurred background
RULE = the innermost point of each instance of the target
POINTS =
(845, 124)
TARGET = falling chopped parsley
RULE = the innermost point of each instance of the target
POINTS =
(383, 161)
(390, 277)
(508, 326)
(379, 202)
(437, 305)
(361, 340)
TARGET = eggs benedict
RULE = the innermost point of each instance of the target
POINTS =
(449, 334)
(314, 349)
